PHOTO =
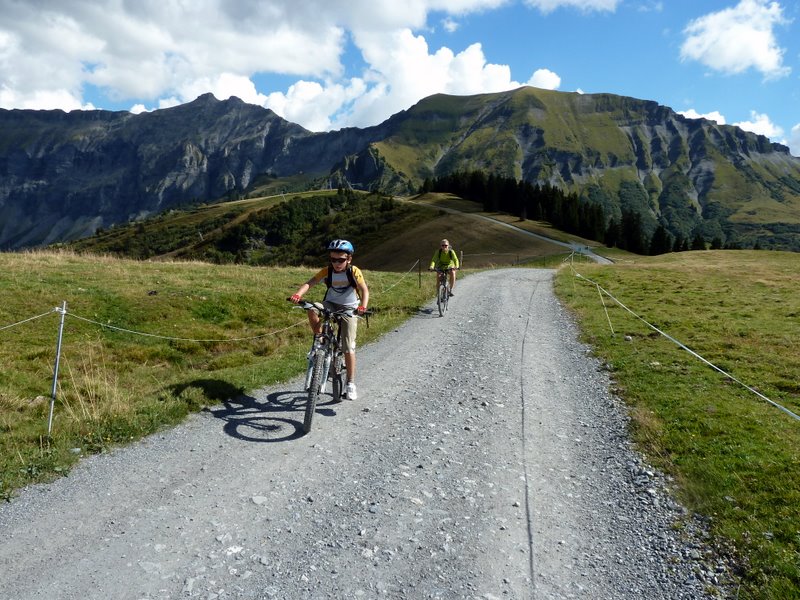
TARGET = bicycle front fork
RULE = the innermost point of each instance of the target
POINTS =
(316, 348)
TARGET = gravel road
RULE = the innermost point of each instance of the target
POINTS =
(485, 458)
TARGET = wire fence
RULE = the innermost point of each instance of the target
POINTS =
(64, 312)
(183, 339)
(602, 291)
(399, 281)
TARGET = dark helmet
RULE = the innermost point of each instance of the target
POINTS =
(341, 246)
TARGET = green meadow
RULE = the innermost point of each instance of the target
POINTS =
(213, 332)
(733, 454)
(216, 331)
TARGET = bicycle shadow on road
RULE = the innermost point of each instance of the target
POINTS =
(278, 418)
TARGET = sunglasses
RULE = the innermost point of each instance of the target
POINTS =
(445, 245)
(338, 261)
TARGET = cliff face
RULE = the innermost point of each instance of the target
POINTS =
(64, 175)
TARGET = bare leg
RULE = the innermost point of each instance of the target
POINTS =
(314, 321)
(350, 365)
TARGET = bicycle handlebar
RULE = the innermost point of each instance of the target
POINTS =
(349, 312)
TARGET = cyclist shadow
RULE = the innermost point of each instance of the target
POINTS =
(277, 418)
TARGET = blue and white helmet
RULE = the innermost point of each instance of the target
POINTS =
(341, 246)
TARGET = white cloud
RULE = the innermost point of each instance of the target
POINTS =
(546, 79)
(548, 6)
(43, 100)
(711, 116)
(403, 71)
(449, 25)
(311, 104)
(156, 52)
(762, 125)
(651, 6)
(736, 39)
(794, 140)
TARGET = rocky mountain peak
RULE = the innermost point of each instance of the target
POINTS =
(63, 175)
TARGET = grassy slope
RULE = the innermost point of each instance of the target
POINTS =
(117, 386)
(482, 244)
(188, 227)
(729, 451)
(394, 247)
(734, 456)
(444, 133)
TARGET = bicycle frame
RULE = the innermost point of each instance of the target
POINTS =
(443, 289)
(325, 359)
(329, 340)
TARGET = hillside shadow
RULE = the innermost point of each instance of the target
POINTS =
(277, 418)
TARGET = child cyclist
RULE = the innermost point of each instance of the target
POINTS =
(346, 289)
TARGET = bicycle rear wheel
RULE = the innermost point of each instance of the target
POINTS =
(313, 389)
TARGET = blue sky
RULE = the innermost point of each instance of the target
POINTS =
(327, 64)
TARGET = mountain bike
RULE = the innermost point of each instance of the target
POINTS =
(325, 359)
(443, 289)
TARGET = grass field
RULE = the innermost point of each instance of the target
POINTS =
(115, 386)
(734, 456)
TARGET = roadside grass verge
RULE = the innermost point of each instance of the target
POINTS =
(735, 457)
(116, 386)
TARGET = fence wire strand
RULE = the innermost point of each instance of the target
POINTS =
(182, 339)
(684, 346)
(396, 283)
(49, 312)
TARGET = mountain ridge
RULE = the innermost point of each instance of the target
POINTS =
(64, 175)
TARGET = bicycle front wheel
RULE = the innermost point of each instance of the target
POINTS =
(337, 374)
(313, 389)
(441, 300)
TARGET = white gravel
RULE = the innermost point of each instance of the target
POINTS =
(485, 458)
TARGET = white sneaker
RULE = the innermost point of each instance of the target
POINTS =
(350, 391)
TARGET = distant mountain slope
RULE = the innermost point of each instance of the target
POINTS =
(62, 175)
(294, 230)
(691, 174)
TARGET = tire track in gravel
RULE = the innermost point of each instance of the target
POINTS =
(485, 458)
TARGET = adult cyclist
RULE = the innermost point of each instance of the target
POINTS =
(346, 289)
(445, 258)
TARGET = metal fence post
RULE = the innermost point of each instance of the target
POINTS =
(63, 311)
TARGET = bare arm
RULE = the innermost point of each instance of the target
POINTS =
(363, 292)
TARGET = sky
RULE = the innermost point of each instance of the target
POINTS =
(328, 64)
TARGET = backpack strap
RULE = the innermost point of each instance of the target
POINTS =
(350, 277)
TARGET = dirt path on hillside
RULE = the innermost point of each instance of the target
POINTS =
(485, 458)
